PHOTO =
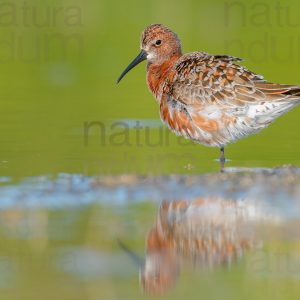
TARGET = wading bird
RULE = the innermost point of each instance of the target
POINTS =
(208, 98)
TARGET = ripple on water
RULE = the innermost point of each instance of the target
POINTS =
(273, 191)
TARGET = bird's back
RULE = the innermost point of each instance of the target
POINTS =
(215, 101)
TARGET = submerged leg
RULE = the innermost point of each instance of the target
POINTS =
(222, 159)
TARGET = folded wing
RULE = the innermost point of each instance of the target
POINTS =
(218, 101)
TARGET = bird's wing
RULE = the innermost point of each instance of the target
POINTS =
(200, 79)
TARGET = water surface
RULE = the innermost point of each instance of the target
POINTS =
(86, 184)
(182, 235)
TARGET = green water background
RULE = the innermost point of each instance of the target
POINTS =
(59, 69)
(60, 74)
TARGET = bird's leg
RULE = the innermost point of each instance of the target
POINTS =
(222, 159)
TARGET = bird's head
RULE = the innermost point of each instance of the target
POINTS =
(158, 44)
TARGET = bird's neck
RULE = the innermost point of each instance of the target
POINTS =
(158, 73)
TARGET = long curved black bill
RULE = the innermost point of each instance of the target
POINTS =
(134, 257)
(142, 56)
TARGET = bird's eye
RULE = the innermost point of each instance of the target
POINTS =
(158, 42)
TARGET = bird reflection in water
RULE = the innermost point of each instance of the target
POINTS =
(205, 233)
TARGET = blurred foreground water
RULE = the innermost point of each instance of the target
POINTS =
(231, 236)
(73, 235)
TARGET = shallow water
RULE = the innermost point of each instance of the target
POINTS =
(73, 226)
(106, 237)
